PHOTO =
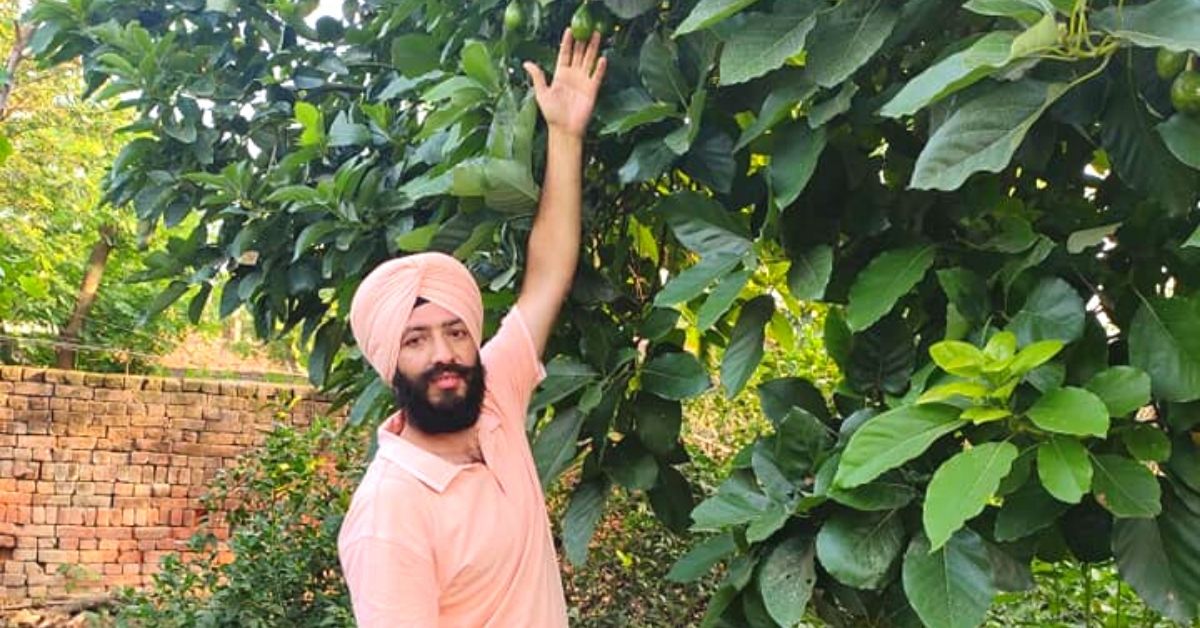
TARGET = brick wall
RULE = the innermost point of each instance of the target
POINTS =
(103, 473)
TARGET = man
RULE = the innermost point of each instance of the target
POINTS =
(449, 525)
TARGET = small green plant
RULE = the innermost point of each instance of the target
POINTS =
(282, 507)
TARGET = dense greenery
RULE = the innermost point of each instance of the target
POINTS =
(58, 149)
(279, 510)
(998, 200)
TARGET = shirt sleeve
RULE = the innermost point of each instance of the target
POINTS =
(513, 365)
(393, 583)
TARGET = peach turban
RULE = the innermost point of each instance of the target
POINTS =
(383, 302)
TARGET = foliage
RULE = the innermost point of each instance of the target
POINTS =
(281, 508)
(996, 198)
(50, 204)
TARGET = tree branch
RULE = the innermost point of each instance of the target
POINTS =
(15, 55)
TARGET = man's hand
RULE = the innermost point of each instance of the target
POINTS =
(553, 249)
(567, 103)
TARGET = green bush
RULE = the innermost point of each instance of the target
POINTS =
(283, 505)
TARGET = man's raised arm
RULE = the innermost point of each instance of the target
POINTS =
(553, 248)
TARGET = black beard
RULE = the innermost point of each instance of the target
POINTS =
(453, 415)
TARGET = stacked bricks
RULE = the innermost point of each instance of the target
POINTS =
(101, 475)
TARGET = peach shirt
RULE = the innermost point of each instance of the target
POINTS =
(430, 543)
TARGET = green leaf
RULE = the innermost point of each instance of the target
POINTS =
(649, 160)
(675, 376)
(632, 108)
(950, 587)
(1001, 346)
(882, 357)
(968, 390)
(418, 239)
(880, 285)
(1084, 239)
(703, 225)
(786, 580)
(556, 445)
(671, 499)
(1194, 239)
(164, 299)
(6, 148)
(1125, 487)
(415, 54)
(1034, 356)
(779, 396)
(893, 438)
(874, 496)
(966, 291)
(658, 423)
(477, 63)
(711, 161)
(1170, 24)
(702, 558)
(312, 122)
(797, 149)
(692, 282)
(1160, 559)
(326, 343)
(962, 486)
(1070, 410)
(580, 519)
(845, 38)
(1027, 511)
(745, 348)
(1181, 134)
(1053, 310)
(957, 358)
(564, 375)
(343, 132)
(809, 272)
(1063, 468)
(509, 186)
(858, 549)
(761, 43)
(821, 113)
(1164, 341)
(660, 74)
(736, 502)
(776, 106)
(1138, 155)
(720, 299)
(970, 65)
(1147, 443)
(983, 134)
(709, 12)
(800, 440)
(629, 9)
(1027, 11)
(1123, 389)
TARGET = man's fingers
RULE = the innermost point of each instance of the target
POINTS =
(598, 75)
(580, 49)
(536, 75)
(591, 52)
(565, 49)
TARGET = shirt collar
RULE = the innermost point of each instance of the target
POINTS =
(432, 470)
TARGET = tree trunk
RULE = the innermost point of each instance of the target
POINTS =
(87, 296)
(15, 55)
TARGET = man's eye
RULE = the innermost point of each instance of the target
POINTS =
(412, 342)
(457, 333)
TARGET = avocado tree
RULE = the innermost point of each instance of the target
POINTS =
(997, 199)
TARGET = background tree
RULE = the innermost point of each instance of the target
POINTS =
(56, 226)
(996, 198)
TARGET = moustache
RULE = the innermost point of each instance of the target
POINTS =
(437, 370)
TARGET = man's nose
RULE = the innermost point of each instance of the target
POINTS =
(441, 350)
